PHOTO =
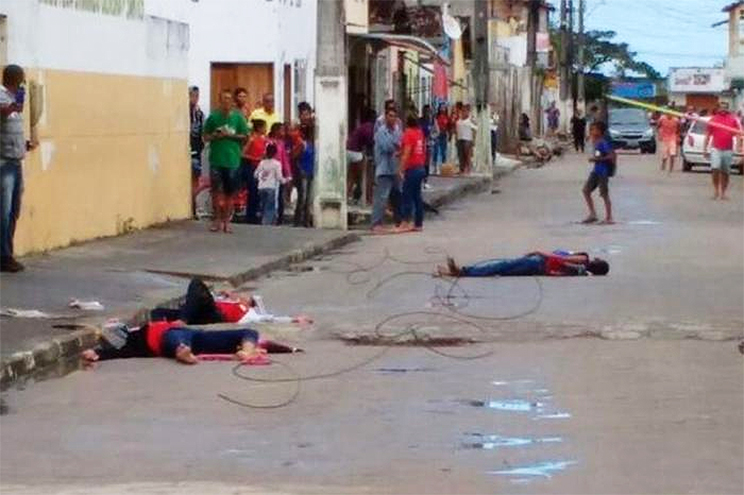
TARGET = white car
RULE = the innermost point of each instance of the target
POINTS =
(692, 148)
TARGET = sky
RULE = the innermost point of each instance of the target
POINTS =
(664, 33)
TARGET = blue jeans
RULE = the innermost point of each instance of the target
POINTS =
(515, 267)
(413, 204)
(11, 180)
(206, 341)
(251, 183)
(268, 205)
(387, 187)
(440, 149)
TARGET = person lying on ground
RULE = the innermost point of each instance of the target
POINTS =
(175, 339)
(202, 308)
(531, 264)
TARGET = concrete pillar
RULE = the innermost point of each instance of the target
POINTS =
(329, 191)
(482, 159)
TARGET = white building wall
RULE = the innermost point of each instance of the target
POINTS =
(45, 35)
(247, 31)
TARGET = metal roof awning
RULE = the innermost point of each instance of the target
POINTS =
(405, 41)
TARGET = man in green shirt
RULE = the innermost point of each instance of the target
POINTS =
(225, 130)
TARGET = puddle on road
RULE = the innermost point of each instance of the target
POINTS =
(538, 470)
(514, 405)
(643, 222)
(492, 442)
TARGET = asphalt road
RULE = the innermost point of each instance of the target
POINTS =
(629, 383)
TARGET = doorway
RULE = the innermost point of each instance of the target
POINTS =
(257, 79)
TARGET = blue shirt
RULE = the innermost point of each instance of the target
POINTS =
(603, 150)
(387, 144)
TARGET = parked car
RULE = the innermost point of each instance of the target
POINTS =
(630, 129)
(692, 148)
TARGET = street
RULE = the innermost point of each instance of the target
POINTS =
(629, 383)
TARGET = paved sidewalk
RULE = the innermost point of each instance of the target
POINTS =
(131, 274)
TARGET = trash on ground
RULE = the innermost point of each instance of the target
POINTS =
(24, 313)
(86, 305)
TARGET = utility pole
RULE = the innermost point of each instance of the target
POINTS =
(329, 188)
(482, 158)
(582, 42)
(571, 53)
(564, 52)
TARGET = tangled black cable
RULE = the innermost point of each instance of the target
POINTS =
(360, 275)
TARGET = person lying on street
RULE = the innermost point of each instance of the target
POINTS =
(175, 339)
(201, 307)
(531, 264)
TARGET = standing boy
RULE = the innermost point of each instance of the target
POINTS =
(253, 153)
(387, 150)
(225, 130)
(604, 165)
(723, 148)
(669, 136)
(578, 130)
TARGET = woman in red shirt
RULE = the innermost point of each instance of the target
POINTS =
(440, 148)
(412, 171)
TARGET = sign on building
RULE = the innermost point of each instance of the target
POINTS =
(357, 16)
(634, 90)
(697, 80)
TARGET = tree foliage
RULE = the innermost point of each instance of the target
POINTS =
(600, 49)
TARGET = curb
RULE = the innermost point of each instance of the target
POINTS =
(438, 200)
(28, 364)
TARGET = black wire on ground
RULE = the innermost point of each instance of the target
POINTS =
(360, 275)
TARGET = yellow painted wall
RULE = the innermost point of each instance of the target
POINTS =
(114, 155)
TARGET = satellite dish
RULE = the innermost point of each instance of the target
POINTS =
(451, 27)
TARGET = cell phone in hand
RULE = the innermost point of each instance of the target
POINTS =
(20, 96)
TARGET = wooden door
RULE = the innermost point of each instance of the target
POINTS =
(702, 101)
(287, 93)
(257, 79)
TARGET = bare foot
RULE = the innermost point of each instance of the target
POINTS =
(589, 219)
(379, 229)
(607, 221)
(724, 198)
(715, 197)
(215, 227)
(185, 356)
(226, 228)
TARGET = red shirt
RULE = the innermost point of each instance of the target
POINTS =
(413, 139)
(255, 149)
(443, 122)
(231, 311)
(668, 128)
(155, 331)
(722, 139)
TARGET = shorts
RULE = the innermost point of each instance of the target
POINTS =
(595, 180)
(224, 180)
(353, 157)
(668, 148)
(721, 160)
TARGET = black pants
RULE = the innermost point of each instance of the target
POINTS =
(579, 142)
(304, 186)
(251, 183)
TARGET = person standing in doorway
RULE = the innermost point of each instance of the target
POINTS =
(299, 135)
(266, 112)
(494, 128)
(13, 148)
(387, 184)
(196, 120)
(578, 131)
(412, 172)
(428, 126)
(466, 130)
(225, 130)
(241, 103)
(669, 136)
(722, 154)
(358, 144)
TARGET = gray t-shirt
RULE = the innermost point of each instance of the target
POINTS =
(12, 141)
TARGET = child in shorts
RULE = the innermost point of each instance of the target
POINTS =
(603, 159)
